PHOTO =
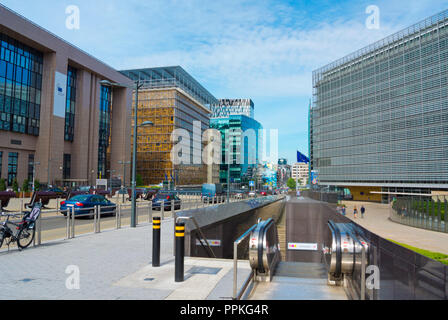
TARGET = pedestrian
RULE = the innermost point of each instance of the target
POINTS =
(355, 212)
(343, 210)
(362, 211)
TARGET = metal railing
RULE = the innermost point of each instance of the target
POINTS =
(426, 212)
(56, 224)
(238, 294)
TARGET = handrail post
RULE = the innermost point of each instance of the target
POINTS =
(73, 223)
(95, 225)
(99, 219)
(235, 269)
(67, 231)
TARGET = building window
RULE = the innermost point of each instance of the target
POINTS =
(30, 167)
(70, 104)
(13, 158)
(104, 132)
(20, 86)
(67, 166)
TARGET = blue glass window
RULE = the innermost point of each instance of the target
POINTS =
(104, 132)
(70, 104)
(20, 86)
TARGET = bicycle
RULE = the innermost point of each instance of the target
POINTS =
(22, 232)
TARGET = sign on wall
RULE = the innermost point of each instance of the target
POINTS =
(60, 92)
(302, 246)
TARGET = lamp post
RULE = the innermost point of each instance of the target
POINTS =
(123, 182)
(34, 173)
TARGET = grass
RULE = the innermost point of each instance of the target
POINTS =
(441, 257)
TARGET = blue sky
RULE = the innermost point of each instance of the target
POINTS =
(263, 50)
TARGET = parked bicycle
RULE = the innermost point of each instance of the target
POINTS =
(21, 232)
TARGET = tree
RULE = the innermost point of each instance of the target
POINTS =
(291, 183)
(139, 180)
(26, 185)
(36, 185)
(2, 184)
(15, 185)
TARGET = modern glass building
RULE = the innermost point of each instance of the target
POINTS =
(227, 107)
(56, 120)
(379, 116)
(171, 99)
(241, 134)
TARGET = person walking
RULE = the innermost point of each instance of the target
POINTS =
(363, 210)
(343, 210)
(355, 212)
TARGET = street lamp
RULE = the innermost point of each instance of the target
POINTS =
(138, 85)
(123, 181)
(34, 164)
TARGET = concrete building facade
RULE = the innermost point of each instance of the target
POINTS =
(56, 118)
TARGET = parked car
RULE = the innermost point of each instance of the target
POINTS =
(61, 193)
(252, 194)
(165, 199)
(85, 204)
(263, 193)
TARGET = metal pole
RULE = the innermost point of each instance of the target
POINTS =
(99, 218)
(73, 222)
(156, 224)
(180, 251)
(67, 231)
(134, 159)
(95, 225)
(235, 268)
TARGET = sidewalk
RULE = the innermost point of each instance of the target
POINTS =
(114, 264)
(376, 219)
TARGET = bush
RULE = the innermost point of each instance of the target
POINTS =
(2, 185)
(15, 185)
(36, 185)
(26, 186)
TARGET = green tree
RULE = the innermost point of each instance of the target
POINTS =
(26, 185)
(139, 180)
(2, 184)
(291, 183)
(36, 185)
(15, 186)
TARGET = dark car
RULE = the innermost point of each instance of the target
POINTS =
(61, 193)
(165, 199)
(84, 204)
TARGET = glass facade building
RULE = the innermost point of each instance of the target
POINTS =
(171, 99)
(69, 130)
(104, 131)
(227, 107)
(379, 116)
(241, 134)
(20, 86)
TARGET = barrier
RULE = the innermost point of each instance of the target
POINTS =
(5, 196)
(156, 224)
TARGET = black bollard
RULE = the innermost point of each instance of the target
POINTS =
(156, 241)
(180, 251)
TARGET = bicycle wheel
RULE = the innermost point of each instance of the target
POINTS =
(2, 236)
(25, 237)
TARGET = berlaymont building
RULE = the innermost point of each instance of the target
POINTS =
(379, 116)
(58, 123)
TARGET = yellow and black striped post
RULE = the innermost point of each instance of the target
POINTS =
(180, 252)
(156, 241)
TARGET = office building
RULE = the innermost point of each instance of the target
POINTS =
(379, 116)
(300, 172)
(171, 99)
(245, 147)
(56, 119)
(227, 107)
